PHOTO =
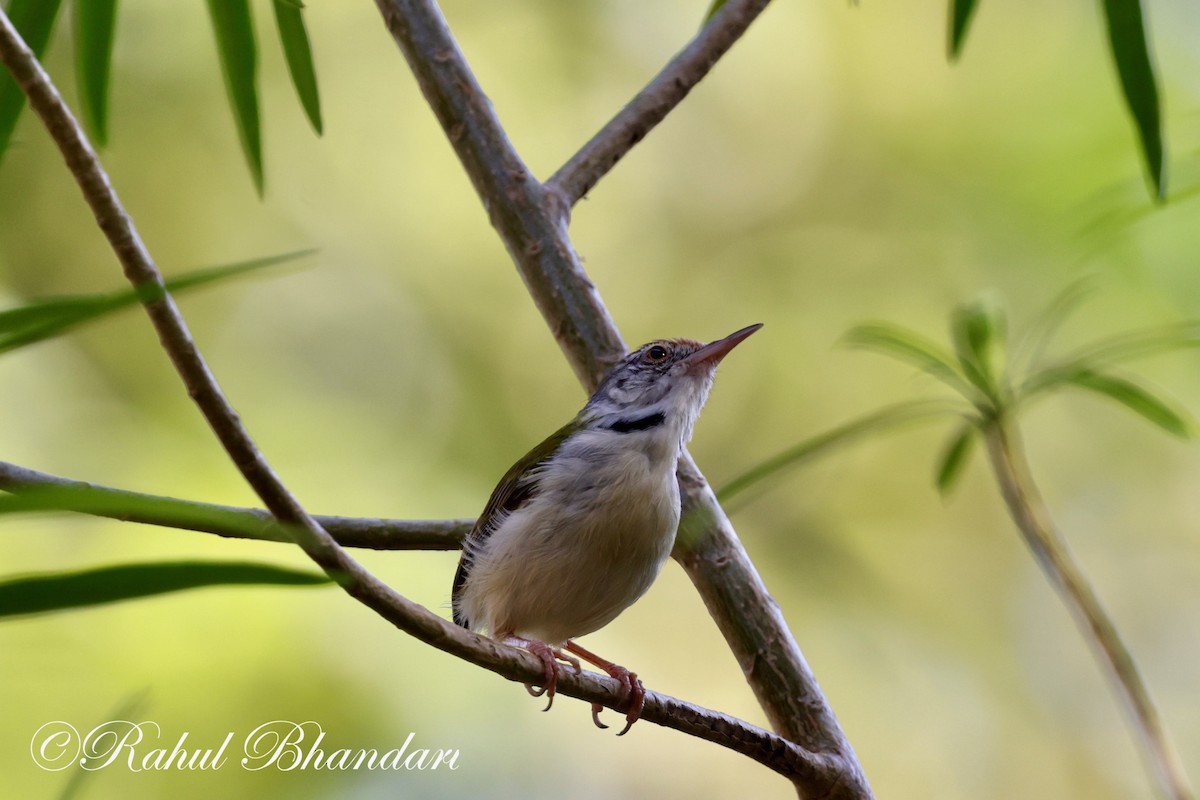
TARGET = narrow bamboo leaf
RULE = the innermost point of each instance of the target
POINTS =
(1112, 351)
(41, 312)
(1045, 380)
(961, 12)
(877, 422)
(1139, 344)
(1136, 398)
(908, 346)
(956, 456)
(234, 28)
(38, 594)
(42, 320)
(95, 26)
(1131, 53)
(34, 20)
(298, 51)
(202, 277)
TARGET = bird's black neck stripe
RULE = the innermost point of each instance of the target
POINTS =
(638, 423)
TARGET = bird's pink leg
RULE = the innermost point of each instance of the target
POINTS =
(549, 656)
(633, 687)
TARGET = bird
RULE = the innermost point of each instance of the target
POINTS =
(578, 529)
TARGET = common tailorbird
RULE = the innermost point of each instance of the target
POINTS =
(579, 528)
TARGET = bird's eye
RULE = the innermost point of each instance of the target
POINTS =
(656, 354)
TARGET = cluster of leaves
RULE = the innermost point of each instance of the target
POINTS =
(994, 386)
(94, 32)
(979, 368)
(31, 594)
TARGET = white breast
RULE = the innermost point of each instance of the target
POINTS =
(587, 546)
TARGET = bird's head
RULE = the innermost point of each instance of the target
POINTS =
(664, 382)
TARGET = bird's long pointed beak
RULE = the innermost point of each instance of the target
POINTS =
(713, 352)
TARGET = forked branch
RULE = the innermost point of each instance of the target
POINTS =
(652, 104)
(531, 220)
(785, 757)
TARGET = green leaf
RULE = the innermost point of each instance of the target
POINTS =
(1111, 351)
(1136, 398)
(961, 12)
(298, 51)
(38, 594)
(977, 329)
(239, 64)
(209, 275)
(95, 26)
(1139, 344)
(955, 456)
(876, 422)
(1131, 53)
(909, 346)
(41, 320)
(34, 20)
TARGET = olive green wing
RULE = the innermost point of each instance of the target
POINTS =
(510, 494)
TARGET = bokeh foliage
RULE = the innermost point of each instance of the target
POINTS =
(834, 169)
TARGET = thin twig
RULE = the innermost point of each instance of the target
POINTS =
(531, 221)
(1029, 512)
(652, 104)
(517, 665)
(51, 492)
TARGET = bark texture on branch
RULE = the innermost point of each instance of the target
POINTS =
(653, 103)
(531, 219)
(532, 223)
(763, 746)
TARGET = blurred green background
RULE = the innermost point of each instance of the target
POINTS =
(834, 168)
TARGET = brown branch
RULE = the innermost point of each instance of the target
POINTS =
(531, 221)
(652, 104)
(51, 492)
(41, 491)
(517, 665)
(56, 493)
